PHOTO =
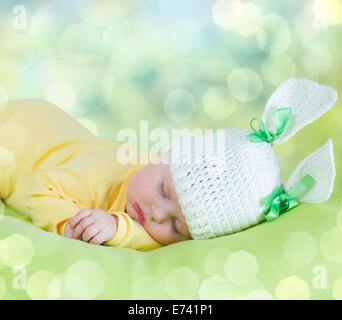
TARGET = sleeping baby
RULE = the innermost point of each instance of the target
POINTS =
(71, 182)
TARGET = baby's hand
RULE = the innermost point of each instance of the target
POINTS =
(92, 225)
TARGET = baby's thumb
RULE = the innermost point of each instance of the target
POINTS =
(67, 231)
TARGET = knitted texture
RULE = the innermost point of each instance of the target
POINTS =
(321, 166)
(220, 178)
(307, 99)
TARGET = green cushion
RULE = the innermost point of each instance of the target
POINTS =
(299, 255)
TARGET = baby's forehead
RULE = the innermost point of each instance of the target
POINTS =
(165, 156)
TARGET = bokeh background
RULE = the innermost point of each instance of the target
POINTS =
(177, 64)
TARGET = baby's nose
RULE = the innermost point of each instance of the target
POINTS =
(159, 213)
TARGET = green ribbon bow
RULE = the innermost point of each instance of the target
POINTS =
(280, 201)
(283, 121)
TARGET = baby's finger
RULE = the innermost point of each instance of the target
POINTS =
(83, 224)
(73, 222)
(67, 231)
(90, 232)
(98, 239)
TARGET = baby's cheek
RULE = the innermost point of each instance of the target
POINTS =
(161, 234)
(138, 189)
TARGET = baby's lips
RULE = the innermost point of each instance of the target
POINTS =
(140, 213)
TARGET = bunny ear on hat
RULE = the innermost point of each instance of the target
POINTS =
(312, 181)
(307, 100)
(321, 167)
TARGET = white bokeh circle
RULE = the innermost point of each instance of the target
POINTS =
(45, 29)
(292, 288)
(182, 283)
(274, 35)
(180, 105)
(101, 13)
(218, 103)
(245, 84)
(241, 268)
(68, 286)
(92, 273)
(243, 17)
(300, 248)
(80, 43)
(61, 94)
(215, 260)
(216, 288)
(17, 250)
(331, 245)
(38, 284)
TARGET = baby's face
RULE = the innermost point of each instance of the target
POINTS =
(151, 188)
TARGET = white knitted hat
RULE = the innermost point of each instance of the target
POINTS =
(229, 180)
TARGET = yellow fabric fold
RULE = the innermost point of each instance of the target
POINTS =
(61, 227)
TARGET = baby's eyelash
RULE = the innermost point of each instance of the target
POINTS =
(174, 226)
(162, 188)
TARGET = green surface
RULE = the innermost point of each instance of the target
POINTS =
(299, 255)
